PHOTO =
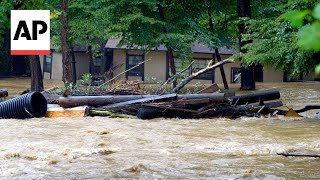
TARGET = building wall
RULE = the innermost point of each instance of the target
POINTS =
(272, 75)
(82, 65)
(56, 66)
(154, 69)
(227, 69)
(119, 59)
(311, 77)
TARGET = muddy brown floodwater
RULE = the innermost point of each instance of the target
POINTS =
(104, 148)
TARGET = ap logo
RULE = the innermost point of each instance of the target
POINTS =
(30, 32)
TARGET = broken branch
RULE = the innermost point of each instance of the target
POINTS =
(124, 72)
(299, 155)
(202, 71)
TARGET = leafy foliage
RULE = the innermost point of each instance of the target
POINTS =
(308, 34)
(276, 41)
(88, 23)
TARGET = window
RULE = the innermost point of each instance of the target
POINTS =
(47, 64)
(200, 63)
(97, 63)
(235, 75)
(133, 60)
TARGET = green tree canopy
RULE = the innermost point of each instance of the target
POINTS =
(276, 41)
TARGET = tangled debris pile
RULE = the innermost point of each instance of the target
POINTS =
(177, 105)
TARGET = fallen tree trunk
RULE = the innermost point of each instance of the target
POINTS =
(96, 101)
(202, 71)
(307, 108)
(256, 97)
(121, 105)
(150, 111)
(299, 155)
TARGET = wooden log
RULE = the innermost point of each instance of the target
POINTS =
(213, 97)
(151, 113)
(294, 113)
(299, 155)
(3, 93)
(256, 97)
(97, 101)
(125, 104)
(307, 108)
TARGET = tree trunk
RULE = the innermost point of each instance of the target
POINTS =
(223, 75)
(66, 55)
(247, 73)
(172, 66)
(170, 52)
(36, 75)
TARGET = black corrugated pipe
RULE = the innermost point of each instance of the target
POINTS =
(29, 105)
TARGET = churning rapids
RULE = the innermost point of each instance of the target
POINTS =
(103, 148)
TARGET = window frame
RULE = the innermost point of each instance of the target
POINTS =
(132, 72)
(45, 66)
(232, 74)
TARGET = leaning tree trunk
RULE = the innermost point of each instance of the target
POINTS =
(36, 75)
(247, 72)
(170, 52)
(202, 71)
(66, 54)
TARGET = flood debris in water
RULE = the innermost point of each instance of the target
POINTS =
(136, 168)
(179, 105)
(203, 105)
(104, 132)
(106, 151)
(52, 162)
(299, 155)
(12, 155)
(18, 155)
(206, 105)
(102, 144)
